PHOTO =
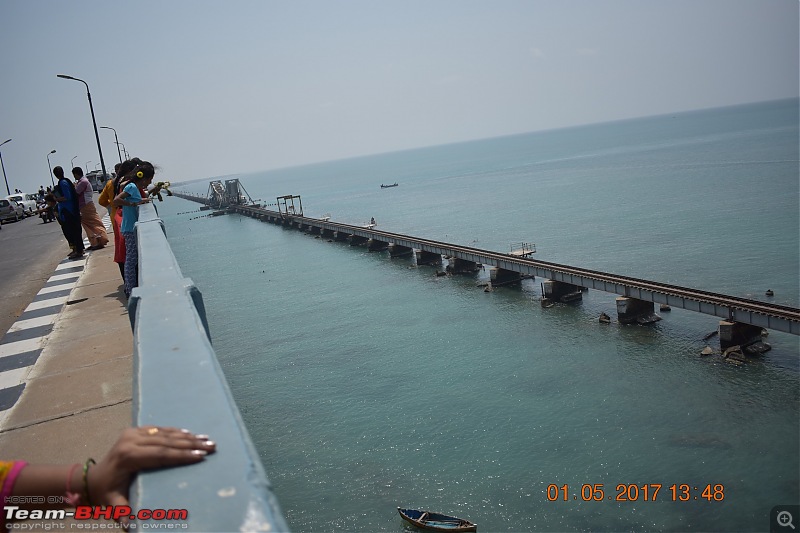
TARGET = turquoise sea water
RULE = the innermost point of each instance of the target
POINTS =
(368, 384)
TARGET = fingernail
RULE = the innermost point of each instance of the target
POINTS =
(201, 453)
(185, 431)
(201, 437)
(210, 443)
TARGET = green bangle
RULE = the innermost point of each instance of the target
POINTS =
(88, 462)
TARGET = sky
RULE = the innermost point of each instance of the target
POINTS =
(213, 88)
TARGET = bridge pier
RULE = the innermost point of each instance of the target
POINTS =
(633, 311)
(396, 250)
(738, 334)
(561, 291)
(377, 246)
(357, 240)
(462, 266)
(428, 258)
(341, 236)
(500, 276)
(328, 233)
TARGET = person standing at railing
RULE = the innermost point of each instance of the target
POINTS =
(129, 199)
(69, 214)
(90, 220)
(110, 191)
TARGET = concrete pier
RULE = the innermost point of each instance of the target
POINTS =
(560, 291)
(428, 258)
(738, 334)
(633, 311)
(462, 266)
(358, 240)
(328, 233)
(376, 245)
(342, 236)
(501, 276)
(397, 250)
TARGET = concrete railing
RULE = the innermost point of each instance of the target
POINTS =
(178, 382)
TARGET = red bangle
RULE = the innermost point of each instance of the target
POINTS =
(72, 498)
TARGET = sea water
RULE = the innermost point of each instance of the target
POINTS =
(367, 383)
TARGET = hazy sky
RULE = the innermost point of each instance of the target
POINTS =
(210, 88)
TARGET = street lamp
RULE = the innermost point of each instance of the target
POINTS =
(51, 168)
(4, 168)
(86, 166)
(72, 162)
(115, 138)
(127, 155)
(91, 108)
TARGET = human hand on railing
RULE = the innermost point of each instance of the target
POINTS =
(142, 448)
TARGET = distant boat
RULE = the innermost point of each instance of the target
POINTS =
(387, 186)
(436, 521)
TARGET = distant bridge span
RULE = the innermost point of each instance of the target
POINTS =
(731, 308)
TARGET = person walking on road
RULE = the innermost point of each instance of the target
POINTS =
(69, 214)
(90, 220)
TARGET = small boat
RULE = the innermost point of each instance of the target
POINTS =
(436, 521)
(387, 186)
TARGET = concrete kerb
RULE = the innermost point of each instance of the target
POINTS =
(77, 397)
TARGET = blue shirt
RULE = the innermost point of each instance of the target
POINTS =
(130, 213)
(67, 190)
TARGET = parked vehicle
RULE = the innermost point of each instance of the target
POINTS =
(26, 200)
(9, 209)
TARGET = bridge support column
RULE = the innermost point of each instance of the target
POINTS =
(397, 250)
(342, 236)
(357, 240)
(560, 291)
(501, 276)
(428, 258)
(328, 233)
(462, 266)
(633, 311)
(377, 246)
(744, 335)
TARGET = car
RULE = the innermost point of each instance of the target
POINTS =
(26, 200)
(9, 209)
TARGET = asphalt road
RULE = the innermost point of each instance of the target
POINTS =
(30, 250)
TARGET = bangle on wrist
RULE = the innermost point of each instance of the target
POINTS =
(86, 465)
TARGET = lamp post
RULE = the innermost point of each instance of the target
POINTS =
(115, 138)
(127, 155)
(86, 166)
(8, 190)
(72, 162)
(94, 122)
(51, 168)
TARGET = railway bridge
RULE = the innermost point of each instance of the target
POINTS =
(742, 318)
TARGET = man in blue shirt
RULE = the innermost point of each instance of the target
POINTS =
(68, 213)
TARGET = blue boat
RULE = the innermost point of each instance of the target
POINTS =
(436, 521)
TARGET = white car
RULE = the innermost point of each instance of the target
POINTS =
(26, 200)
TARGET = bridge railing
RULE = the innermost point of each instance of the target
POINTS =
(178, 382)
